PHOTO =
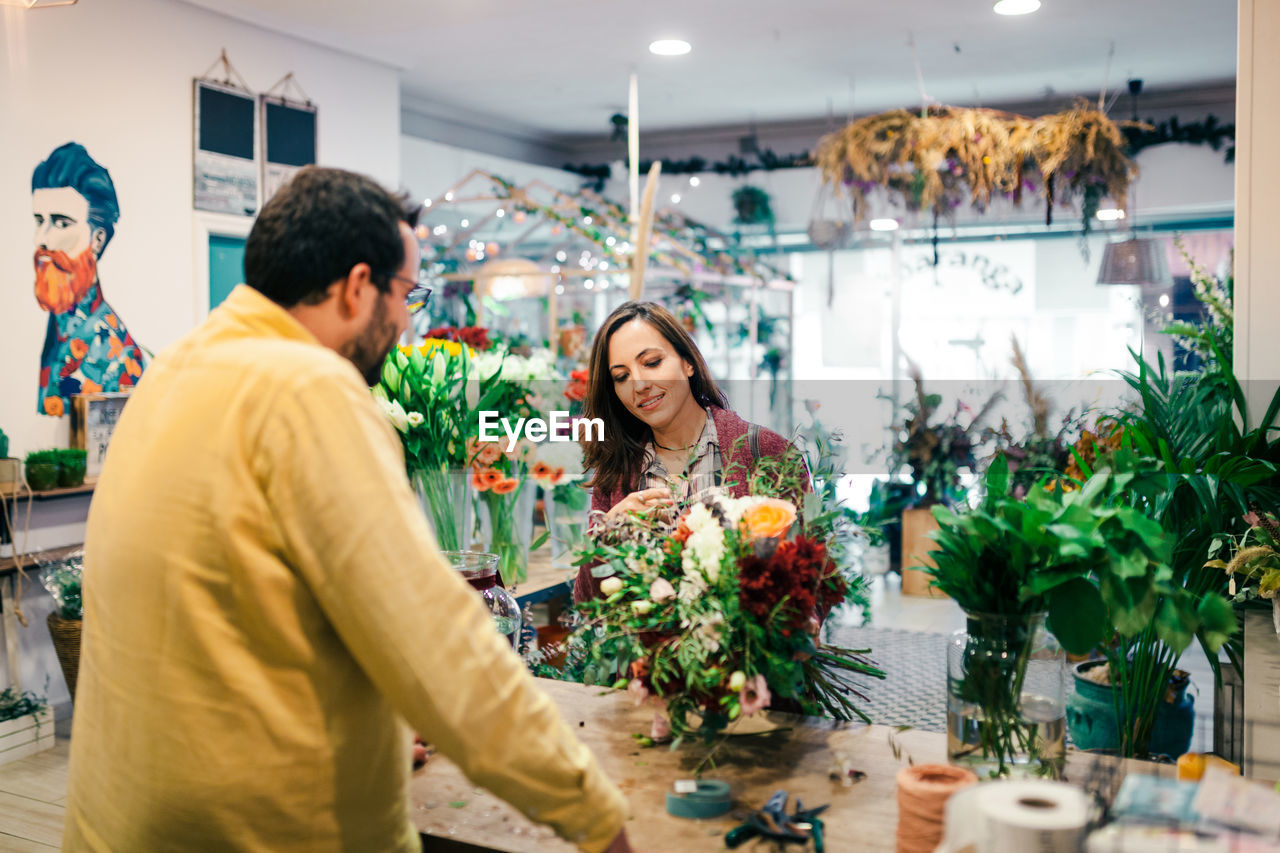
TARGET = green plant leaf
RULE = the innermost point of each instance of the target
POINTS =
(1078, 616)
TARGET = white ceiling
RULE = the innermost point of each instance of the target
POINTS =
(558, 68)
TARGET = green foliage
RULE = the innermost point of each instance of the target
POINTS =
(43, 457)
(14, 705)
(62, 580)
(73, 457)
(752, 206)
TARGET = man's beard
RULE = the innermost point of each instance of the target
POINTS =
(62, 282)
(368, 350)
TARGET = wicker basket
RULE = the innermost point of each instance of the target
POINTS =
(66, 642)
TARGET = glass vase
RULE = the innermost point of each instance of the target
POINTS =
(568, 528)
(506, 524)
(1006, 697)
(445, 495)
(481, 571)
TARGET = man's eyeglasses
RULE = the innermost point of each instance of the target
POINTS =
(418, 294)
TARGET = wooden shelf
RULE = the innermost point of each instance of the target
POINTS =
(11, 491)
(9, 564)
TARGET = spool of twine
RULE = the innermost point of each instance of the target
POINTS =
(922, 799)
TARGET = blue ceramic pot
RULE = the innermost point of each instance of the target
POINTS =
(1091, 716)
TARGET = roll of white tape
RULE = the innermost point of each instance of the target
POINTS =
(1031, 817)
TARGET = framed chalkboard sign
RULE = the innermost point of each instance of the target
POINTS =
(288, 141)
(226, 165)
(93, 420)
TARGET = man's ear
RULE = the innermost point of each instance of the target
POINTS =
(98, 241)
(353, 291)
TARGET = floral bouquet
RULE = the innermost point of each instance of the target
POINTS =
(500, 470)
(937, 451)
(714, 611)
(1254, 562)
(476, 337)
(431, 394)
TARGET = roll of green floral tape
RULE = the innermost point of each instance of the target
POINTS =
(711, 799)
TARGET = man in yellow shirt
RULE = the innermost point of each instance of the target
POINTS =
(265, 606)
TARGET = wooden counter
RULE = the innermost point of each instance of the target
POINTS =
(863, 817)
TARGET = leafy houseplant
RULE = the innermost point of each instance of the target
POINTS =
(937, 451)
(42, 469)
(63, 581)
(1097, 565)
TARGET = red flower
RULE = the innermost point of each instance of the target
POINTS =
(476, 337)
(577, 390)
(797, 572)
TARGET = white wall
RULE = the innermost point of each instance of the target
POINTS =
(1257, 346)
(428, 168)
(116, 76)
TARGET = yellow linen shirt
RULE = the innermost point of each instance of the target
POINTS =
(264, 608)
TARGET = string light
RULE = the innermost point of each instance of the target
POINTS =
(502, 211)
(694, 181)
(675, 198)
(440, 230)
(448, 196)
(427, 203)
(588, 284)
(559, 289)
(466, 223)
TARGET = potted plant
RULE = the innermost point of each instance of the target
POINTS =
(26, 725)
(4, 445)
(62, 580)
(42, 470)
(1083, 565)
(72, 463)
(935, 452)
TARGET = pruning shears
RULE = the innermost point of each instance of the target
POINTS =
(773, 823)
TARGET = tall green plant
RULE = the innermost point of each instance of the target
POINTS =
(1099, 563)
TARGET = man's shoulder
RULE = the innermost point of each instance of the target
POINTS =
(278, 361)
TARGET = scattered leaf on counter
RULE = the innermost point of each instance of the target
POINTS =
(457, 804)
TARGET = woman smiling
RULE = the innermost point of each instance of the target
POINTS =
(668, 431)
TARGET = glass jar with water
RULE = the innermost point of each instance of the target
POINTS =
(481, 571)
(1006, 697)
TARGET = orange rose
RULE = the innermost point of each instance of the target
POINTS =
(503, 487)
(768, 519)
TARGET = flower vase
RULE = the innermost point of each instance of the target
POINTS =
(446, 500)
(506, 524)
(1006, 697)
(567, 526)
(481, 571)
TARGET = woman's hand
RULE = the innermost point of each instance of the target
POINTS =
(642, 501)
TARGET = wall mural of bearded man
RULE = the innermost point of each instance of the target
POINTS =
(87, 347)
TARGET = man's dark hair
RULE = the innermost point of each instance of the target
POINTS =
(71, 166)
(316, 228)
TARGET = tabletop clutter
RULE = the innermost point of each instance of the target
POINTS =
(1208, 809)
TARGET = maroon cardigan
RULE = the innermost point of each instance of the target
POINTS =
(731, 432)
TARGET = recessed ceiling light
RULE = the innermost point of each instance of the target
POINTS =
(1015, 7)
(884, 225)
(670, 47)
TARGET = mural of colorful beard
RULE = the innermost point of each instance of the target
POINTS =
(87, 348)
(62, 281)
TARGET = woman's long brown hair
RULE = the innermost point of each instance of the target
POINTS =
(616, 460)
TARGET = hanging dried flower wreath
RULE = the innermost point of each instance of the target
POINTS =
(946, 156)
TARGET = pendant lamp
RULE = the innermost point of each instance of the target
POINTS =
(1137, 260)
